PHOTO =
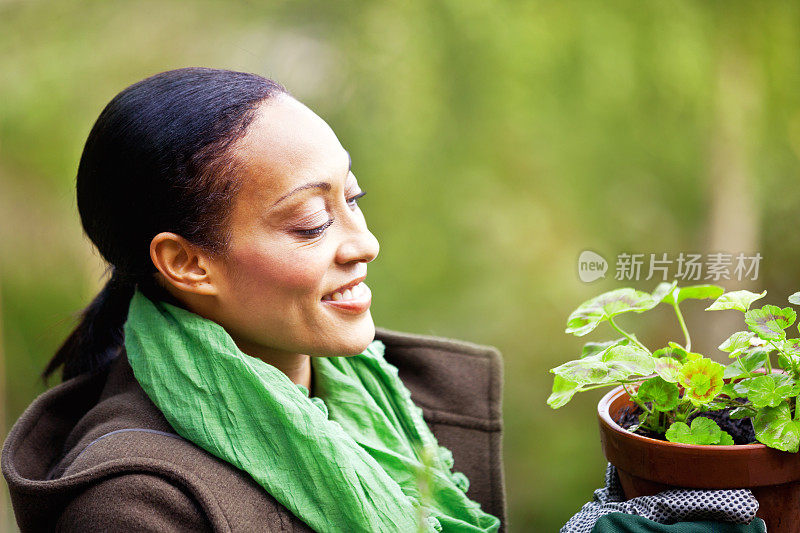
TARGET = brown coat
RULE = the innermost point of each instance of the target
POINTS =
(95, 454)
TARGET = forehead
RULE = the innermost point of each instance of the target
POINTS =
(287, 145)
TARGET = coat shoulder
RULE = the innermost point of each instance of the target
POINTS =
(406, 339)
(455, 382)
(133, 502)
(157, 479)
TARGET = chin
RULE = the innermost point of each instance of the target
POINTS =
(353, 340)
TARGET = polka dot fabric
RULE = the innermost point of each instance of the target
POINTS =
(737, 506)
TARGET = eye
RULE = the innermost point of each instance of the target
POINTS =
(353, 200)
(313, 232)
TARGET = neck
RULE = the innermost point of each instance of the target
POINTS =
(297, 367)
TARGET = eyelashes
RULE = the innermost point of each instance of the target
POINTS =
(354, 199)
(314, 232)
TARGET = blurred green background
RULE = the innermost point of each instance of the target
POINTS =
(497, 140)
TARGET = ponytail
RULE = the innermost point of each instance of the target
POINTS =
(98, 339)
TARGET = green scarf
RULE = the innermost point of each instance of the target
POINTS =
(357, 457)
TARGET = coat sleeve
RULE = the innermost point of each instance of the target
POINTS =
(133, 502)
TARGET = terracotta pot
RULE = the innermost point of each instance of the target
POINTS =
(647, 466)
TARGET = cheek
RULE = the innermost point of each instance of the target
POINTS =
(286, 272)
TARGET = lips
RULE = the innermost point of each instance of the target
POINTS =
(354, 298)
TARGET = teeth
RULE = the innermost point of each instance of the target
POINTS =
(348, 294)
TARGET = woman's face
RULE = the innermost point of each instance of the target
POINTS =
(298, 235)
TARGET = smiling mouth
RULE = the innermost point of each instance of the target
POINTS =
(356, 293)
(353, 301)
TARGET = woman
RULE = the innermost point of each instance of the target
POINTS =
(212, 384)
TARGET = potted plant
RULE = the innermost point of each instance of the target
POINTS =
(678, 419)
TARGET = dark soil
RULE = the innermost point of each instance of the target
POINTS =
(740, 429)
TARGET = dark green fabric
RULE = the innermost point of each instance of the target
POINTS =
(627, 523)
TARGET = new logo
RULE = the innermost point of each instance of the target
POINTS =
(591, 266)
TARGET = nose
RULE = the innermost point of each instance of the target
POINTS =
(358, 244)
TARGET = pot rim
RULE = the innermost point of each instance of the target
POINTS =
(605, 417)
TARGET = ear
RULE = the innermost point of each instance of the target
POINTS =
(183, 265)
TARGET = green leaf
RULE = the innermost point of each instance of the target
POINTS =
(769, 390)
(795, 298)
(791, 347)
(563, 391)
(702, 431)
(737, 342)
(594, 348)
(705, 431)
(628, 359)
(674, 350)
(700, 292)
(725, 439)
(740, 388)
(679, 432)
(587, 371)
(729, 391)
(678, 352)
(608, 305)
(668, 368)
(775, 428)
(664, 292)
(691, 356)
(739, 413)
(663, 394)
(740, 300)
(770, 321)
(732, 371)
(702, 380)
(750, 362)
(615, 363)
(789, 356)
(694, 292)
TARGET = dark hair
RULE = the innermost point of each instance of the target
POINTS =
(156, 160)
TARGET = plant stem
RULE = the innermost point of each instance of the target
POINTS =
(741, 365)
(637, 401)
(682, 417)
(787, 356)
(646, 422)
(683, 326)
(628, 335)
(734, 403)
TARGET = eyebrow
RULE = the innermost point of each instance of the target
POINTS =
(315, 185)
